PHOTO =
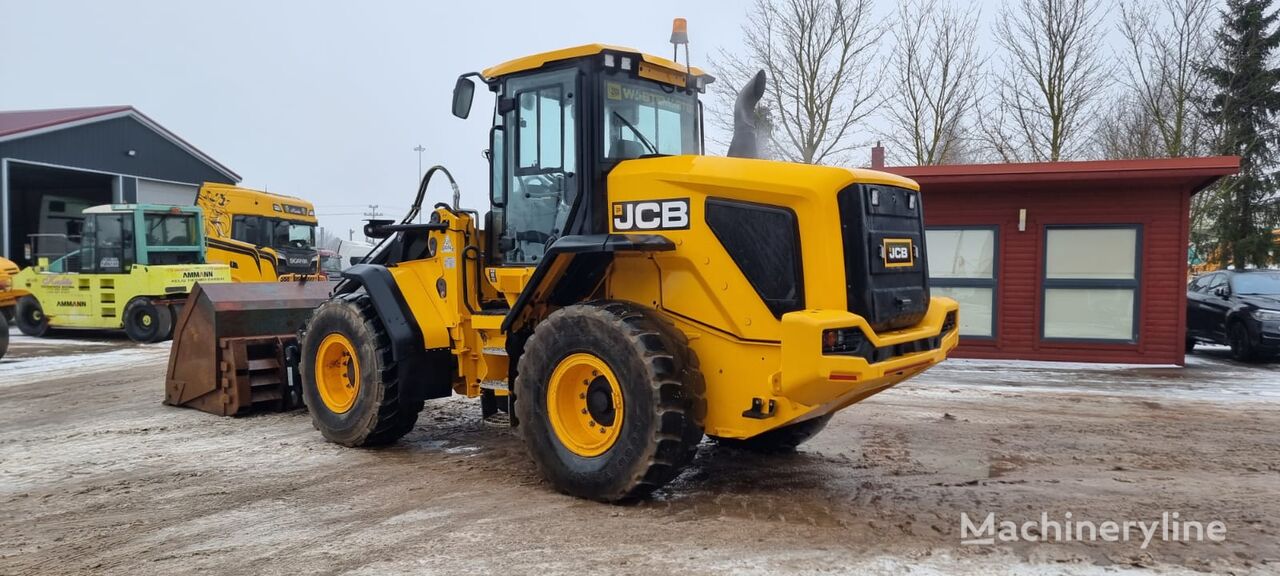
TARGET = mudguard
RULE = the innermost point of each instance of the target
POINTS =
(393, 310)
(573, 265)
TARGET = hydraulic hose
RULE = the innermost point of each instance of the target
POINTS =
(378, 255)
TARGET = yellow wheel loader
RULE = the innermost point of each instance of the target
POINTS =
(625, 294)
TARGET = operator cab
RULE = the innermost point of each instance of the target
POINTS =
(562, 120)
(115, 237)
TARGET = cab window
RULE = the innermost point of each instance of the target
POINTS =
(248, 229)
(107, 244)
(645, 118)
(171, 229)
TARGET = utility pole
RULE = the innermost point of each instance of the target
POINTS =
(419, 149)
(372, 214)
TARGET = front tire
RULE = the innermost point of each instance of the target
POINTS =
(1242, 348)
(31, 318)
(351, 384)
(782, 440)
(609, 400)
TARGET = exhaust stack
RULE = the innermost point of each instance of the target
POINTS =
(745, 143)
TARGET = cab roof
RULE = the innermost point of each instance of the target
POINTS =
(120, 208)
(535, 61)
(232, 188)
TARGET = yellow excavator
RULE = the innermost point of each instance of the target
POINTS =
(626, 294)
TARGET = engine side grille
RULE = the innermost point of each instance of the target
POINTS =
(764, 242)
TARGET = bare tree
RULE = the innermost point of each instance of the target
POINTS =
(1052, 78)
(819, 56)
(1128, 130)
(935, 72)
(1166, 41)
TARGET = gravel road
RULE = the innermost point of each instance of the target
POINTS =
(97, 476)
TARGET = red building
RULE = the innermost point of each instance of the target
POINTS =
(1066, 261)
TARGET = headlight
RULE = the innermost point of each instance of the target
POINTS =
(1268, 315)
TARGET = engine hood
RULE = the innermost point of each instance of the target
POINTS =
(752, 174)
(1268, 301)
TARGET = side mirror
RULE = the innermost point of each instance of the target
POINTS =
(1222, 291)
(463, 92)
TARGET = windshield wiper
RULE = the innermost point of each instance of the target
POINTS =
(634, 130)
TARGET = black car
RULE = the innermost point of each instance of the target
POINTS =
(1239, 308)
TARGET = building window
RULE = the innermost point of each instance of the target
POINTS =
(962, 266)
(1091, 283)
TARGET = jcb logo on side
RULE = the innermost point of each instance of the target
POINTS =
(651, 215)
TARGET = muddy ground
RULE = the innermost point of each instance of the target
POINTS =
(96, 476)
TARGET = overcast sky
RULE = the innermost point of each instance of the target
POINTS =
(324, 100)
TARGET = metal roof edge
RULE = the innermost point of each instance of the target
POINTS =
(1204, 165)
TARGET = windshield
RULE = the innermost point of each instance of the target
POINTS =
(171, 229)
(1257, 283)
(293, 235)
(643, 117)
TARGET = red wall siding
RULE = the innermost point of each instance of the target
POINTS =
(1162, 211)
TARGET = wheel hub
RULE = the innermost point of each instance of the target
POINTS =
(584, 405)
(337, 373)
(600, 401)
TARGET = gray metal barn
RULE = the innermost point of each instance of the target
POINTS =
(54, 163)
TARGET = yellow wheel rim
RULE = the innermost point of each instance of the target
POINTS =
(337, 373)
(146, 320)
(584, 404)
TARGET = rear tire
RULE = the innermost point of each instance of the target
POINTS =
(145, 322)
(779, 440)
(31, 318)
(1242, 348)
(639, 384)
(370, 411)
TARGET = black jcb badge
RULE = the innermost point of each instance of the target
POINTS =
(670, 214)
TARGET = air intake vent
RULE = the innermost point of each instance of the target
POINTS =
(764, 242)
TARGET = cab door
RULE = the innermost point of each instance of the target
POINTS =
(106, 255)
(540, 182)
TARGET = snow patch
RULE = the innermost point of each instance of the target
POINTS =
(38, 369)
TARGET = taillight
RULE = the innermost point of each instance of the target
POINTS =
(842, 341)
